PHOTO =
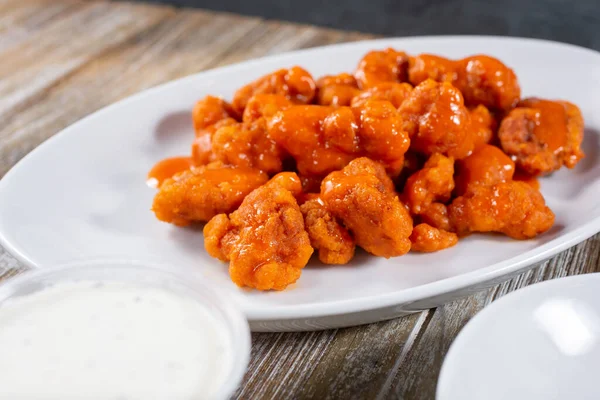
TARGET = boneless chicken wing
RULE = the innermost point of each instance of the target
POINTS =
(486, 80)
(246, 143)
(264, 240)
(294, 83)
(543, 135)
(265, 105)
(337, 90)
(426, 238)
(202, 145)
(437, 120)
(513, 208)
(481, 79)
(211, 110)
(487, 166)
(483, 125)
(436, 215)
(249, 145)
(433, 183)
(198, 194)
(429, 66)
(393, 92)
(379, 66)
(362, 197)
(324, 139)
(332, 240)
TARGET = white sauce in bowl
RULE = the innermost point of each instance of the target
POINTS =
(118, 341)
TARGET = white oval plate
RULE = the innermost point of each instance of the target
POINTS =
(538, 343)
(82, 194)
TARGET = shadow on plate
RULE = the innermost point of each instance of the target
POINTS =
(172, 126)
(189, 238)
(591, 147)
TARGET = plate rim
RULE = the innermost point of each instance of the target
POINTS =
(361, 304)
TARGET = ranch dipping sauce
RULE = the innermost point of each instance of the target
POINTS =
(112, 340)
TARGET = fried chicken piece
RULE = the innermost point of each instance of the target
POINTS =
(337, 90)
(481, 79)
(211, 110)
(393, 92)
(380, 66)
(324, 139)
(300, 131)
(486, 80)
(487, 166)
(433, 183)
(199, 194)
(513, 208)
(167, 168)
(327, 235)
(437, 120)
(289, 181)
(436, 215)
(202, 145)
(265, 105)
(425, 238)
(483, 125)
(249, 145)
(294, 83)
(429, 66)
(543, 135)
(362, 197)
(264, 239)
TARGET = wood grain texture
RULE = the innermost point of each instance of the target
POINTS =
(69, 58)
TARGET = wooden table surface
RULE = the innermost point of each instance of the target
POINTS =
(65, 59)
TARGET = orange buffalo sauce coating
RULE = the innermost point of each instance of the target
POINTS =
(337, 90)
(543, 135)
(435, 117)
(327, 235)
(483, 125)
(393, 92)
(426, 239)
(486, 166)
(165, 169)
(528, 179)
(430, 66)
(513, 208)
(198, 194)
(211, 110)
(324, 139)
(202, 145)
(379, 66)
(362, 197)
(486, 80)
(481, 79)
(294, 83)
(264, 239)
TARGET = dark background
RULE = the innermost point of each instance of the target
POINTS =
(572, 21)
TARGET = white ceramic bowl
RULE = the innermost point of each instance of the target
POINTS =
(147, 275)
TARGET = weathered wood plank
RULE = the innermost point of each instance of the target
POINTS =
(141, 61)
(19, 19)
(50, 54)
